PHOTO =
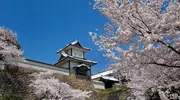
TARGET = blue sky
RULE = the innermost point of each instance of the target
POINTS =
(45, 26)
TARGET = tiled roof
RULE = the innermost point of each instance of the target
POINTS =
(109, 78)
(66, 55)
(76, 43)
(81, 65)
(98, 75)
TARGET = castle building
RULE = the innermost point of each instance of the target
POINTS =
(72, 61)
(108, 79)
(73, 58)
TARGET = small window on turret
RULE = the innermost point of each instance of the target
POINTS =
(82, 71)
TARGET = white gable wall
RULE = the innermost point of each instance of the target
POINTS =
(69, 52)
(77, 53)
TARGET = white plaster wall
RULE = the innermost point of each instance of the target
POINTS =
(77, 53)
(98, 85)
(44, 67)
(73, 64)
(65, 65)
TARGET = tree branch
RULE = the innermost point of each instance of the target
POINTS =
(169, 46)
(165, 65)
(142, 20)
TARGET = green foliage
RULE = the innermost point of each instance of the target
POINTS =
(12, 96)
(18, 46)
(14, 84)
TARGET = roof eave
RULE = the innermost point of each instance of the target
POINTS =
(82, 48)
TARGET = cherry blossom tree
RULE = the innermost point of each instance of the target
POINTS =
(46, 86)
(9, 48)
(143, 39)
(12, 81)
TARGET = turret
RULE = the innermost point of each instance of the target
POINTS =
(73, 58)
